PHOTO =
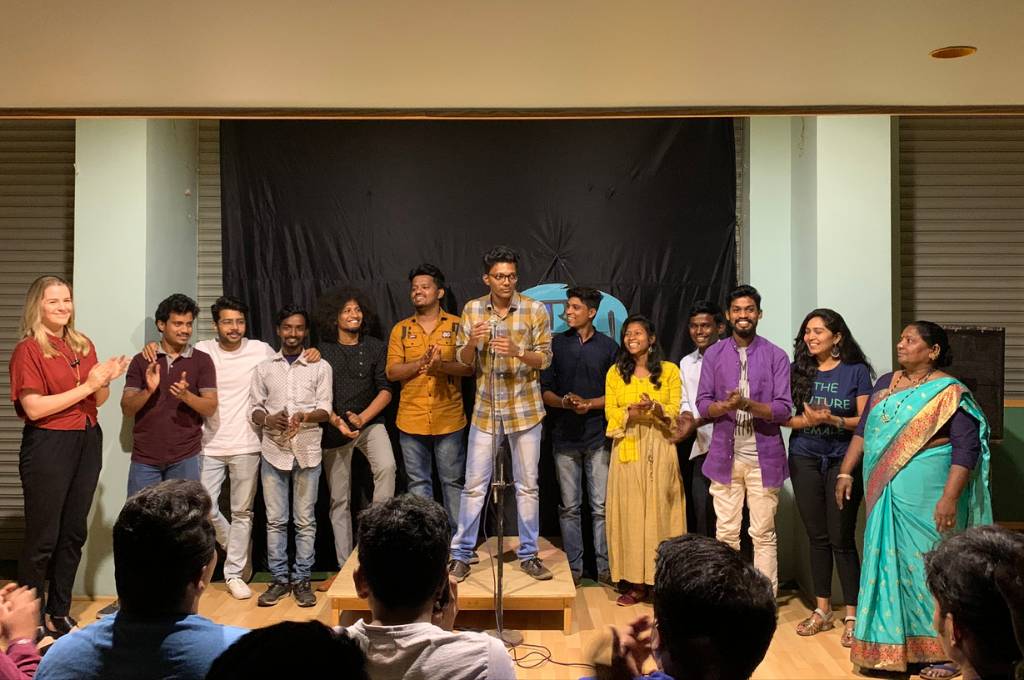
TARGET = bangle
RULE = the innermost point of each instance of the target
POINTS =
(843, 475)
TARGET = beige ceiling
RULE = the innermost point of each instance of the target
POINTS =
(506, 53)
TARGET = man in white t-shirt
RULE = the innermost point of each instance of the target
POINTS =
(706, 324)
(402, 573)
(231, 443)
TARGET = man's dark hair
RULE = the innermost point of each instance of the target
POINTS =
(430, 270)
(179, 303)
(228, 302)
(330, 305)
(313, 648)
(745, 290)
(716, 613)
(500, 254)
(591, 297)
(707, 307)
(403, 550)
(978, 577)
(290, 310)
(163, 539)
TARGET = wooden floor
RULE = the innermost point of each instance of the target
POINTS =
(790, 657)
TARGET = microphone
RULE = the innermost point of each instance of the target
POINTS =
(493, 323)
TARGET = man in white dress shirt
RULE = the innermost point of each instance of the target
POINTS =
(706, 325)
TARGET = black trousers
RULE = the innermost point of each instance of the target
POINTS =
(59, 470)
(831, 531)
(700, 506)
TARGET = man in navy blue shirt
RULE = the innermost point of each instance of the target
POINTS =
(573, 391)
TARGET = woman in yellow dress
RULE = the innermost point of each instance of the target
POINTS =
(644, 503)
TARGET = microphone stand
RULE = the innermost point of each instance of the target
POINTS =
(511, 638)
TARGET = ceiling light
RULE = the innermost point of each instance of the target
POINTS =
(954, 52)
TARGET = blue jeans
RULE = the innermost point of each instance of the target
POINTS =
(304, 483)
(525, 447)
(571, 465)
(450, 453)
(141, 475)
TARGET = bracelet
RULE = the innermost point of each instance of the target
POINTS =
(21, 641)
(843, 475)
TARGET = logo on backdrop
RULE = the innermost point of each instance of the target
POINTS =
(610, 314)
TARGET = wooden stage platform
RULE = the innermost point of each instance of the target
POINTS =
(476, 593)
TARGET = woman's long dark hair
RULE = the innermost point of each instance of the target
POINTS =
(624, 361)
(805, 366)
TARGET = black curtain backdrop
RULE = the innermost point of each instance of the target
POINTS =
(642, 209)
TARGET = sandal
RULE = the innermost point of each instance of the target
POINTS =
(817, 622)
(847, 639)
(631, 597)
(940, 671)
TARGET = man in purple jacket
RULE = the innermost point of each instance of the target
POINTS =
(744, 389)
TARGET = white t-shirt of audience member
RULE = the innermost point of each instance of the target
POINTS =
(423, 651)
(230, 431)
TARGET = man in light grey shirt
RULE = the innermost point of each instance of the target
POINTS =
(289, 398)
(402, 573)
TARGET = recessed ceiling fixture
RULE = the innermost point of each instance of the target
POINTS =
(954, 52)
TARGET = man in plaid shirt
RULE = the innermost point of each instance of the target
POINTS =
(506, 337)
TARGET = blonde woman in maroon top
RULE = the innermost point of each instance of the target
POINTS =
(57, 384)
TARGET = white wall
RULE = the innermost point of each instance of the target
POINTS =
(134, 244)
(821, 236)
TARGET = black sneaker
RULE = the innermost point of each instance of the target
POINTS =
(605, 578)
(303, 594)
(274, 594)
(535, 568)
(458, 569)
(474, 558)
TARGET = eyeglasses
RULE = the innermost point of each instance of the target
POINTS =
(511, 278)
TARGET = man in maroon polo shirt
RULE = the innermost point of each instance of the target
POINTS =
(169, 398)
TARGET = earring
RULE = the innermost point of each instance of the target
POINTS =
(835, 351)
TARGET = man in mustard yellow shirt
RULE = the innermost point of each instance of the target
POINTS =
(431, 419)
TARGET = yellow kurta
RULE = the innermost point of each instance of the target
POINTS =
(644, 503)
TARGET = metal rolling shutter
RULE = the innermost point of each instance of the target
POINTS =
(962, 227)
(208, 251)
(37, 210)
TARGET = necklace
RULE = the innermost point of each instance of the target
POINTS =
(886, 416)
(73, 363)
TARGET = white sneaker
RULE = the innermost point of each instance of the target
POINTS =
(238, 589)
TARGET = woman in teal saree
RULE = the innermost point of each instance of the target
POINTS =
(924, 443)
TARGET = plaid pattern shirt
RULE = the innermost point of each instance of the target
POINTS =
(516, 387)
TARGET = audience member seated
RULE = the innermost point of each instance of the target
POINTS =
(19, 625)
(977, 581)
(324, 653)
(402, 573)
(714, 618)
(163, 560)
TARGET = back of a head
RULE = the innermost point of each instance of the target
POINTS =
(163, 539)
(978, 577)
(291, 650)
(403, 550)
(716, 613)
